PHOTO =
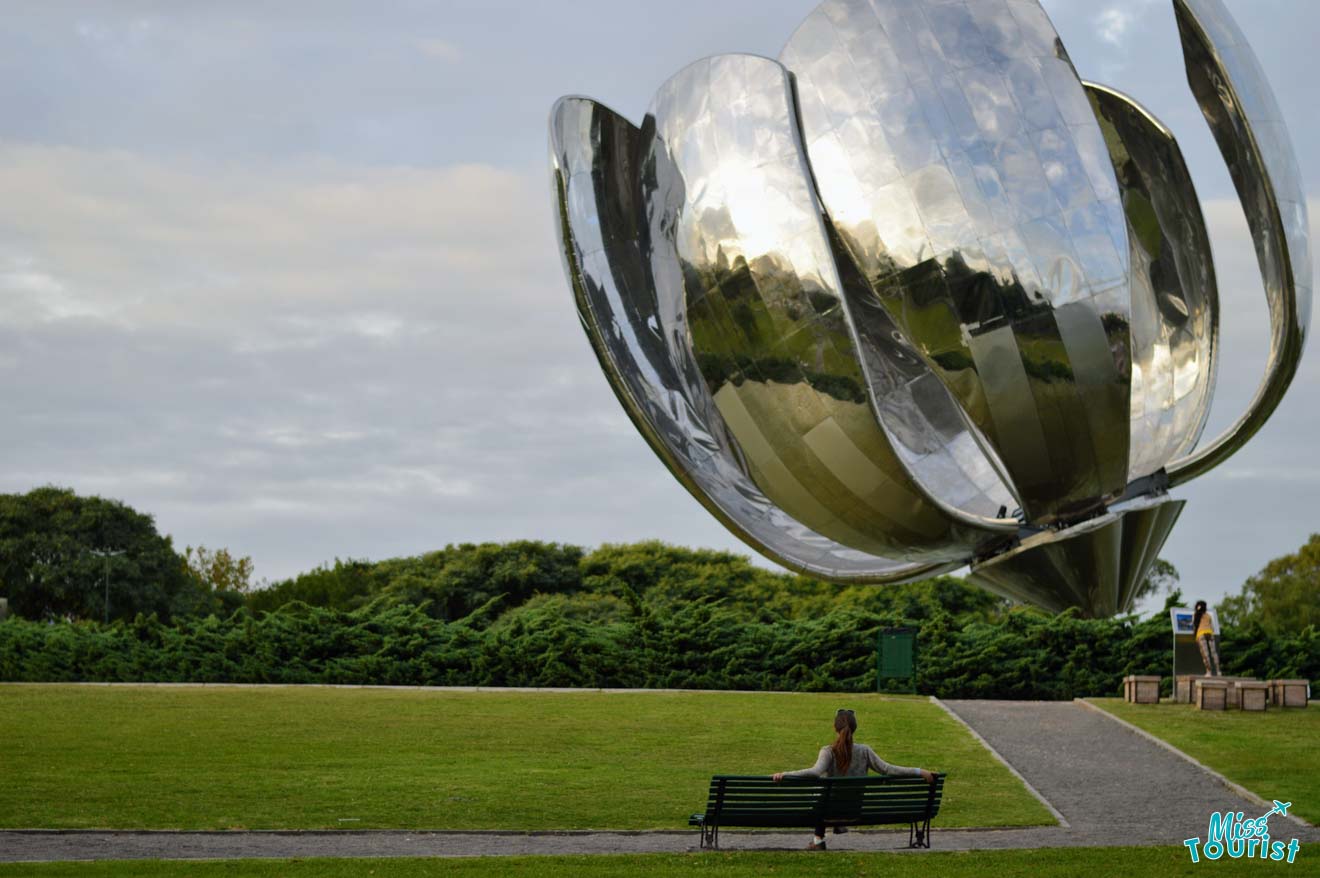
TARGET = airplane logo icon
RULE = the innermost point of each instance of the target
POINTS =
(1280, 808)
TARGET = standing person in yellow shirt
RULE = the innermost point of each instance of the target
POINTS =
(1206, 639)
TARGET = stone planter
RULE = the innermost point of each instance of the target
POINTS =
(1139, 689)
(1211, 693)
(1251, 694)
(1289, 693)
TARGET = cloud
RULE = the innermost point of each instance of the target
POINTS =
(1113, 24)
(287, 251)
(1109, 39)
(443, 50)
(1114, 21)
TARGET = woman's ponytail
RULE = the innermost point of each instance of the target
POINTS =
(845, 723)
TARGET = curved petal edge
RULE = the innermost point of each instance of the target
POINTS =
(1236, 99)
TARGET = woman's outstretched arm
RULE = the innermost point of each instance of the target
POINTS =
(878, 765)
(820, 769)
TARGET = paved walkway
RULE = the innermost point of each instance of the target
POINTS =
(18, 846)
(1109, 785)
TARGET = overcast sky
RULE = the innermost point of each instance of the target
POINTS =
(284, 275)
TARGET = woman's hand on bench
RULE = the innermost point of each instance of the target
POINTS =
(777, 776)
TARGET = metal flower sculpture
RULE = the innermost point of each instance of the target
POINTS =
(916, 296)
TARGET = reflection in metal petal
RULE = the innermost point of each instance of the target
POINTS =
(1175, 303)
(969, 181)
(602, 227)
(941, 449)
(728, 195)
(1239, 105)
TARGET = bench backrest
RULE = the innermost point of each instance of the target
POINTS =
(758, 801)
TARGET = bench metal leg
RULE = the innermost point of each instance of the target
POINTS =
(710, 836)
(922, 830)
(919, 834)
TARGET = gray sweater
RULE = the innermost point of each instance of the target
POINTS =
(863, 758)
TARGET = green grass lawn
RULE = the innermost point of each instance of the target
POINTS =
(1273, 754)
(1061, 862)
(315, 758)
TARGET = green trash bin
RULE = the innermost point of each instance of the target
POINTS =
(896, 660)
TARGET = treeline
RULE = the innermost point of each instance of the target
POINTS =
(543, 614)
(603, 585)
(701, 644)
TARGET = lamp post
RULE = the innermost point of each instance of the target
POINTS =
(107, 555)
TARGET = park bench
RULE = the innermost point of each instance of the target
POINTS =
(806, 802)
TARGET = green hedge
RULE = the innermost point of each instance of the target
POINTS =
(700, 644)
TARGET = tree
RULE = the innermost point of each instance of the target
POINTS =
(222, 581)
(451, 582)
(49, 569)
(1163, 578)
(219, 570)
(459, 579)
(345, 586)
(1283, 598)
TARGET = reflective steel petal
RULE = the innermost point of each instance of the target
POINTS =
(603, 232)
(960, 163)
(1175, 302)
(1240, 107)
(729, 196)
(941, 449)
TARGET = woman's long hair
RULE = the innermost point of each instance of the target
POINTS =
(845, 723)
(1196, 619)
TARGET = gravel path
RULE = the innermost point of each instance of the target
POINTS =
(1110, 785)
(81, 845)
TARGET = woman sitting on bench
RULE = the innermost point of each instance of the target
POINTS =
(843, 758)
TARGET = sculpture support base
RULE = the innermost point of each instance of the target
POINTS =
(1097, 565)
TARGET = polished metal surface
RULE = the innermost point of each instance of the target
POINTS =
(960, 162)
(919, 297)
(1175, 302)
(1096, 566)
(1244, 116)
(731, 202)
(597, 159)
